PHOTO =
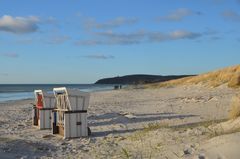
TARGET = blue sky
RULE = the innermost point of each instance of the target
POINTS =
(81, 41)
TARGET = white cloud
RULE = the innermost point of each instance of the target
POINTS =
(182, 34)
(58, 39)
(177, 15)
(111, 38)
(10, 55)
(122, 38)
(50, 20)
(90, 42)
(99, 57)
(91, 23)
(231, 15)
(174, 35)
(19, 25)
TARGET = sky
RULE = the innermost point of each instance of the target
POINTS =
(81, 41)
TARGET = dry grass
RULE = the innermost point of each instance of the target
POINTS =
(235, 108)
(146, 129)
(125, 153)
(140, 147)
(229, 76)
(198, 124)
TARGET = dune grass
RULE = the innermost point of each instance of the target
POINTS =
(146, 129)
(126, 153)
(229, 76)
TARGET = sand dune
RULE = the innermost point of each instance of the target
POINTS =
(229, 76)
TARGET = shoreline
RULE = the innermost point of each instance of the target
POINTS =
(21, 95)
(16, 101)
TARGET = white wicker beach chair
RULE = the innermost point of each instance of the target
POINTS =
(70, 115)
(44, 104)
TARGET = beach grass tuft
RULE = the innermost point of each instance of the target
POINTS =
(125, 153)
(138, 135)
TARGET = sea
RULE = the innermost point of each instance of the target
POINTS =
(9, 92)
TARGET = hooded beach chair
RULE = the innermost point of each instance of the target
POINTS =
(44, 104)
(70, 116)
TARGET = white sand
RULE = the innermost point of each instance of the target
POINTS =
(120, 123)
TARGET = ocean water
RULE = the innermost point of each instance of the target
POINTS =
(10, 92)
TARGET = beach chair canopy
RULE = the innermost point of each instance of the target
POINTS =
(71, 99)
(44, 99)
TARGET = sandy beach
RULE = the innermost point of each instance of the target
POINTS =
(130, 123)
(120, 79)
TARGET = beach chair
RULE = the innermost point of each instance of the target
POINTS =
(44, 104)
(70, 116)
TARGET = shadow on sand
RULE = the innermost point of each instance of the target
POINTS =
(17, 148)
(111, 119)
